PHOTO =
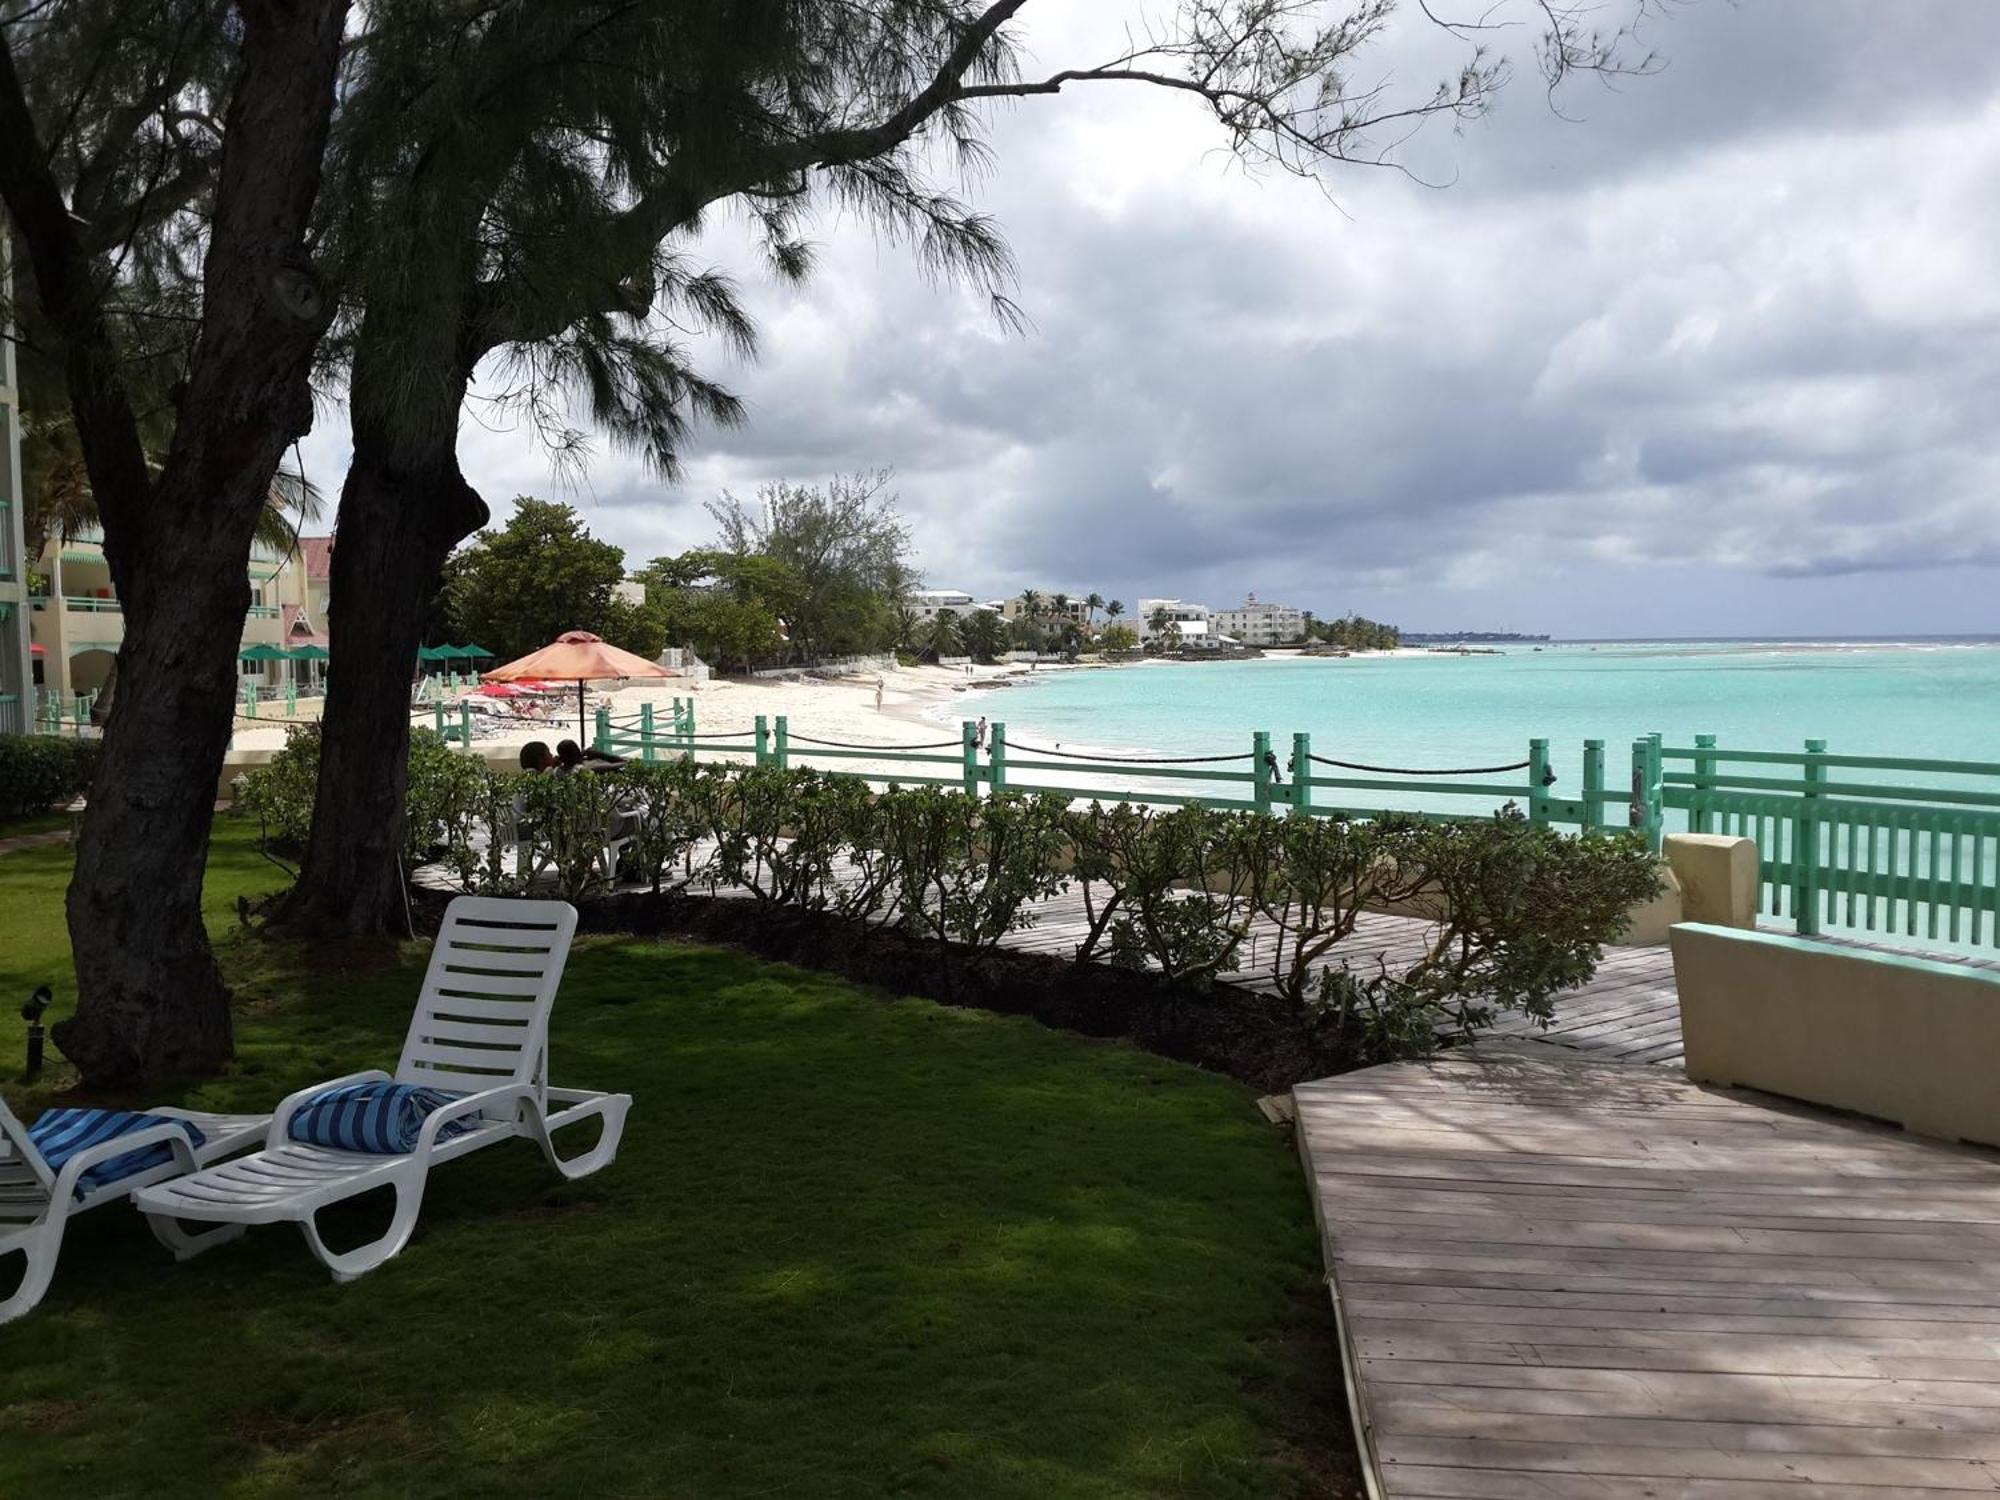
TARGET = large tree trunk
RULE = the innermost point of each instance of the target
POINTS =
(404, 506)
(150, 998)
(152, 1001)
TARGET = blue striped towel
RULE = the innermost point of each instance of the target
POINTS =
(60, 1133)
(383, 1119)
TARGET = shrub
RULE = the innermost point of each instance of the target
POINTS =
(567, 820)
(968, 867)
(664, 800)
(1517, 914)
(39, 770)
(280, 794)
(1168, 888)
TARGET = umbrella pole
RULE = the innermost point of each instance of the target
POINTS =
(582, 734)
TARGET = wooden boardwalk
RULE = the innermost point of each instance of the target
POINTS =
(1560, 1277)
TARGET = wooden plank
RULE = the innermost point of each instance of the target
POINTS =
(1566, 1277)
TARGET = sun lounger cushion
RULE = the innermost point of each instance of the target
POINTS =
(60, 1133)
(383, 1119)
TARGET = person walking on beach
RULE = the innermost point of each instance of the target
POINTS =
(979, 737)
(878, 692)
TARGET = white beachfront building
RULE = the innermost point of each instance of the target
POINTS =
(930, 602)
(1259, 622)
(1192, 619)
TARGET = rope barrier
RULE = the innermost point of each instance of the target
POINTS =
(1126, 760)
(1348, 765)
(800, 739)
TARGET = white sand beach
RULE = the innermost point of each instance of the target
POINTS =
(840, 708)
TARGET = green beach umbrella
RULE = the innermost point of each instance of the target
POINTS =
(260, 652)
(308, 652)
(434, 653)
(474, 651)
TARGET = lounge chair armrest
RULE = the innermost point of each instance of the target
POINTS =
(471, 1104)
(281, 1118)
(172, 1136)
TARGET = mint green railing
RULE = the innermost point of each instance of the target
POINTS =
(1839, 845)
(1252, 779)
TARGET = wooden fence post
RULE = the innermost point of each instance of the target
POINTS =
(968, 741)
(465, 725)
(1302, 783)
(1701, 819)
(761, 744)
(1260, 766)
(781, 744)
(1538, 782)
(602, 741)
(646, 732)
(1593, 785)
(1805, 846)
(996, 757)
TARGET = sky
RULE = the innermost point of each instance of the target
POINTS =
(1711, 352)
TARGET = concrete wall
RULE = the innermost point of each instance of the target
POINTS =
(1910, 1040)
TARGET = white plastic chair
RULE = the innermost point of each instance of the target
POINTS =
(36, 1204)
(481, 1028)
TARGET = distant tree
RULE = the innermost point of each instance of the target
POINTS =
(1093, 603)
(539, 575)
(847, 547)
(1118, 638)
(1114, 609)
(907, 627)
(1027, 633)
(728, 607)
(1157, 622)
(941, 635)
(984, 634)
(1059, 606)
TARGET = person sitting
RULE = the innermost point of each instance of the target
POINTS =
(536, 756)
(573, 757)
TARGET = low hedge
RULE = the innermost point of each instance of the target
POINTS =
(39, 770)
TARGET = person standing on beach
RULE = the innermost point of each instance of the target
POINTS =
(878, 692)
(979, 738)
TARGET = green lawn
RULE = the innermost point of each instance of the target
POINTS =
(853, 1246)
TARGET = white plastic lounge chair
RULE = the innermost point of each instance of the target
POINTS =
(36, 1204)
(481, 1028)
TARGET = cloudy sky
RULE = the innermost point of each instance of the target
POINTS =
(1715, 352)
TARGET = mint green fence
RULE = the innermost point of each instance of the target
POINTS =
(1894, 845)
(1253, 779)
(1840, 844)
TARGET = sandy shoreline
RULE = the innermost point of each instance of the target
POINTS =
(920, 705)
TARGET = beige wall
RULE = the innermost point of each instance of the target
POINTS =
(1911, 1040)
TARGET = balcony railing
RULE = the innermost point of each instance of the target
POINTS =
(91, 604)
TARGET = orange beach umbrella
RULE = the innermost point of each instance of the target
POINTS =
(578, 656)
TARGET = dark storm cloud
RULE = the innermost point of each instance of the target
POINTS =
(1739, 321)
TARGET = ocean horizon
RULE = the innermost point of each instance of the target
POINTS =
(1933, 696)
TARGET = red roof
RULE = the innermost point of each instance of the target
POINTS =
(298, 629)
(318, 552)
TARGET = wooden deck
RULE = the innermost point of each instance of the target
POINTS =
(1560, 1277)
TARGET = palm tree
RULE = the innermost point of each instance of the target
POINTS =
(1059, 606)
(942, 637)
(1031, 604)
(1093, 602)
(908, 626)
(1114, 609)
(1158, 622)
(984, 635)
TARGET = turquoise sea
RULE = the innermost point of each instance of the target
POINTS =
(1933, 698)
